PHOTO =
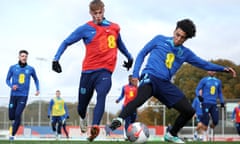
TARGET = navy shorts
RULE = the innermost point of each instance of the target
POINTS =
(163, 90)
(209, 110)
(16, 106)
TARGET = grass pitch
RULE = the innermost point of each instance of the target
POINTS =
(95, 142)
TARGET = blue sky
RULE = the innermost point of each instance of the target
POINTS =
(41, 25)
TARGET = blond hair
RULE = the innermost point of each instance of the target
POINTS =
(96, 5)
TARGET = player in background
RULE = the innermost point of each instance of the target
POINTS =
(197, 106)
(102, 41)
(236, 117)
(208, 90)
(166, 55)
(57, 112)
(129, 92)
(18, 79)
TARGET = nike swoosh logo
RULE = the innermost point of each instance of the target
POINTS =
(138, 133)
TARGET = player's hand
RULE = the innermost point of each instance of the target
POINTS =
(48, 116)
(200, 98)
(230, 70)
(67, 117)
(117, 101)
(222, 105)
(14, 87)
(56, 67)
(37, 93)
(128, 64)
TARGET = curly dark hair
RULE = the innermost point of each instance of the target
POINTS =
(188, 27)
(23, 51)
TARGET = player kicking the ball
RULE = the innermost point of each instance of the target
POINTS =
(166, 55)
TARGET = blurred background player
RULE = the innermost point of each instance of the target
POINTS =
(57, 112)
(129, 92)
(236, 117)
(196, 104)
(102, 41)
(18, 79)
(208, 90)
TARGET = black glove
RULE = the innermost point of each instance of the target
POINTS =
(56, 67)
(67, 117)
(48, 116)
(222, 105)
(128, 64)
(200, 98)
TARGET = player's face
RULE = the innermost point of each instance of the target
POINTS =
(179, 37)
(58, 93)
(211, 73)
(97, 15)
(23, 57)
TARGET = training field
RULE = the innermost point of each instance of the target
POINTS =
(95, 142)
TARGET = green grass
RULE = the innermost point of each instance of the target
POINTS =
(95, 142)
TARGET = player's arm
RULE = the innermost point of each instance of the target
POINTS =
(198, 90)
(220, 94)
(233, 114)
(9, 76)
(203, 64)
(141, 56)
(194, 103)
(125, 52)
(36, 81)
(74, 37)
(121, 96)
(50, 108)
(66, 110)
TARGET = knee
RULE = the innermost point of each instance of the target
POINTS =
(212, 125)
(190, 113)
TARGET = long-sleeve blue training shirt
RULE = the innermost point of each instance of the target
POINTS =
(211, 90)
(21, 77)
(165, 59)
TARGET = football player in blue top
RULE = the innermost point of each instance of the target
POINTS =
(208, 90)
(165, 57)
(18, 79)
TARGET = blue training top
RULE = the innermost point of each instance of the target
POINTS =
(211, 90)
(20, 76)
(165, 59)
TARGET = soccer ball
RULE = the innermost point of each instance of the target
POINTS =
(137, 132)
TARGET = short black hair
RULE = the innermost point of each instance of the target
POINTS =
(188, 27)
(23, 51)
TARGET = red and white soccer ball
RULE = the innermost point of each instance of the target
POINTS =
(138, 133)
